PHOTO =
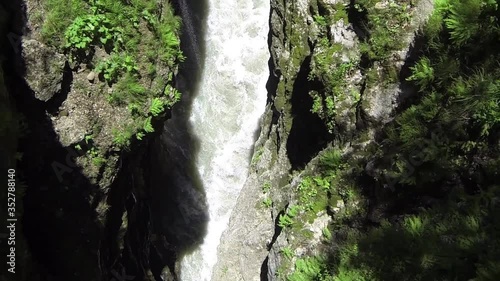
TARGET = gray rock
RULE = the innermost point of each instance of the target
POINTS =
(91, 76)
(250, 233)
(44, 69)
(380, 103)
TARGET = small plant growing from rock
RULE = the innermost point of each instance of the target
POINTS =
(320, 20)
(285, 221)
(266, 187)
(268, 202)
(287, 252)
(148, 128)
(115, 66)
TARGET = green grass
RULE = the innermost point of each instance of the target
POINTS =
(60, 14)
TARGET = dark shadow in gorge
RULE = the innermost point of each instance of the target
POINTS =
(58, 221)
(179, 209)
(309, 134)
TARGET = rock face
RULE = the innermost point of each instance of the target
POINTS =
(87, 213)
(291, 136)
(246, 243)
(44, 69)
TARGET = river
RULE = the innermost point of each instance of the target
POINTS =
(225, 115)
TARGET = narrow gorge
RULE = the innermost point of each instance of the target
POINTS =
(225, 115)
(251, 140)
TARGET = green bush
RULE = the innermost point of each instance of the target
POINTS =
(330, 160)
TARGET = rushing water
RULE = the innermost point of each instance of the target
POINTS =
(225, 114)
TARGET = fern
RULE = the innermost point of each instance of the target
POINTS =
(157, 107)
(320, 20)
(140, 135)
(287, 252)
(89, 30)
(122, 138)
(330, 160)
(463, 21)
(414, 225)
(422, 73)
(148, 128)
(427, 261)
(488, 272)
(285, 221)
(306, 269)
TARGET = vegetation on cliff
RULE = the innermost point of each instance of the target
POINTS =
(423, 201)
(128, 46)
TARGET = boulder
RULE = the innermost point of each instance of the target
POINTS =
(44, 69)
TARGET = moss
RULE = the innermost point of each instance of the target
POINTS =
(280, 100)
(298, 40)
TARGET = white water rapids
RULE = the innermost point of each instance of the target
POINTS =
(225, 115)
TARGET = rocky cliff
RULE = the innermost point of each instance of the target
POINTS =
(305, 118)
(83, 114)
